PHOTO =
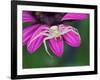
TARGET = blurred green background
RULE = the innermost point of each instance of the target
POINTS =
(71, 56)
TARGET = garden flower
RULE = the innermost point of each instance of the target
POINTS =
(50, 27)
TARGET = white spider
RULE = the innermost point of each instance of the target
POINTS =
(54, 32)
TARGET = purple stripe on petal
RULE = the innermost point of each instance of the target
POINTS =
(74, 16)
(56, 45)
(28, 17)
(34, 44)
(28, 31)
(72, 39)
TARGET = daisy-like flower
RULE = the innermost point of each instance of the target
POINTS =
(50, 27)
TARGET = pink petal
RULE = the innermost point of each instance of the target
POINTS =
(28, 31)
(74, 16)
(33, 45)
(56, 45)
(28, 17)
(72, 39)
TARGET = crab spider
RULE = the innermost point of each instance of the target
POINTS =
(53, 32)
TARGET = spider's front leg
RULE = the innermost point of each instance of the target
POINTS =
(43, 33)
(64, 30)
(44, 41)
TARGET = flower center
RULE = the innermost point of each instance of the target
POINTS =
(54, 30)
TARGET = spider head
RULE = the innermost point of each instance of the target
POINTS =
(54, 30)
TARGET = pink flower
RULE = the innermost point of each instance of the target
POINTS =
(49, 27)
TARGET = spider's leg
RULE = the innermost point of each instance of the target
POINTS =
(65, 31)
(40, 34)
(75, 32)
(40, 30)
(45, 46)
(68, 30)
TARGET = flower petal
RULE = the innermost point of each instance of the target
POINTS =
(28, 17)
(28, 31)
(32, 44)
(74, 16)
(56, 45)
(72, 39)
(35, 44)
